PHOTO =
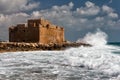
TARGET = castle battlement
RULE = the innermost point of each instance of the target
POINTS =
(38, 31)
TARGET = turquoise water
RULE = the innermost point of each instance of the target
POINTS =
(114, 43)
(117, 44)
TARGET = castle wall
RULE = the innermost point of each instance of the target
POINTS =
(17, 33)
(20, 33)
(51, 35)
(32, 34)
(38, 22)
(37, 31)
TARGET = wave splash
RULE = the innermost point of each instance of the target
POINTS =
(99, 57)
(98, 38)
(83, 63)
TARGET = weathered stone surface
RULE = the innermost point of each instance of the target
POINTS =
(37, 31)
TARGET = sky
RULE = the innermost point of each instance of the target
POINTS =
(78, 17)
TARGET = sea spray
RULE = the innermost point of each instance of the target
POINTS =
(82, 63)
(98, 38)
(98, 57)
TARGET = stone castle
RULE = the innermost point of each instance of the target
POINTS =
(36, 31)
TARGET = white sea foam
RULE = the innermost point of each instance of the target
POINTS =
(100, 59)
(97, 38)
(82, 63)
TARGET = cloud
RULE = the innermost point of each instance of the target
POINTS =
(71, 4)
(85, 17)
(12, 6)
(107, 9)
(99, 19)
(8, 20)
(88, 11)
(89, 4)
(113, 15)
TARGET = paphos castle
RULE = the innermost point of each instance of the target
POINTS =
(36, 31)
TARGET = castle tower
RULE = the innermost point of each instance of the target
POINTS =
(37, 31)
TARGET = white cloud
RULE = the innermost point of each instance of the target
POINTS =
(89, 16)
(8, 20)
(90, 9)
(89, 4)
(107, 9)
(99, 19)
(11, 6)
(71, 4)
(113, 15)
(36, 14)
(30, 6)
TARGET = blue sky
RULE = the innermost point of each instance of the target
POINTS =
(78, 17)
(78, 3)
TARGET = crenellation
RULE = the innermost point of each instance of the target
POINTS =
(20, 25)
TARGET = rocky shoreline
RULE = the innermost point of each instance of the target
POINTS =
(15, 46)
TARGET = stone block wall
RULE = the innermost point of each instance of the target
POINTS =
(51, 35)
(17, 33)
(37, 31)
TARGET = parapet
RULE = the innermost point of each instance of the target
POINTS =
(60, 28)
(51, 26)
(21, 26)
(37, 22)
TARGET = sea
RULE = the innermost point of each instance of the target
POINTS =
(99, 62)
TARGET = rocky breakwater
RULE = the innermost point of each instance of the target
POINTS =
(15, 46)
